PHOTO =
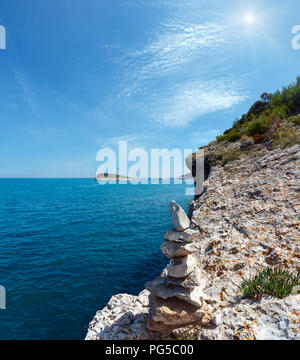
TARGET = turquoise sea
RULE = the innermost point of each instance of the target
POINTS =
(68, 245)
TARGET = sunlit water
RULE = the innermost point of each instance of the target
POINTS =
(68, 245)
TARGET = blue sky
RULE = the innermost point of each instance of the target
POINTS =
(79, 75)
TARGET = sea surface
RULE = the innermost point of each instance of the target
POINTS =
(68, 245)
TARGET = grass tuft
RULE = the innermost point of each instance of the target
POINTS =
(230, 155)
(274, 282)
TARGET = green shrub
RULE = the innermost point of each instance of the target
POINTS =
(258, 127)
(258, 120)
(221, 138)
(295, 120)
(286, 136)
(273, 282)
(280, 111)
(231, 136)
(289, 97)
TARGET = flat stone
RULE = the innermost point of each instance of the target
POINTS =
(160, 288)
(189, 282)
(179, 218)
(182, 236)
(181, 267)
(174, 312)
(172, 249)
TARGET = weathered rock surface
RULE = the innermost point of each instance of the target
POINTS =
(124, 318)
(188, 282)
(174, 312)
(161, 288)
(269, 319)
(247, 218)
(179, 217)
(182, 236)
(181, 267)
(173, 250)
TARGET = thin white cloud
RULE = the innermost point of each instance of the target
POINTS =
(180, 73)
(28, 93)
(187, 102)
(180, 104)
(176, 44)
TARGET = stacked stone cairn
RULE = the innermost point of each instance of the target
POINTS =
(175, 297)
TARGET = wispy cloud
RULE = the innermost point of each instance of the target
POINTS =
(186, 102)
(28, 93)
(179, 72)
(177, 101)
(176, 44)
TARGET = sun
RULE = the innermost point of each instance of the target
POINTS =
(249, 18)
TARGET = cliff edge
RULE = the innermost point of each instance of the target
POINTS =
(246, 219)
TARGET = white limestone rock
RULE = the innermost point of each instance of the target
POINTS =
(174, 312)
(124, 318)
(181, 267)
(187, 235)
(159, 287)
(268, 319)
(179, 218)
(172, 249)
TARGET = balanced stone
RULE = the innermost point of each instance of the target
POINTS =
(181, 267)
(179, 217)
(191, 281)
(182, 236)
(176, 297)
(174, 312)
(173, 249)
(159, 287)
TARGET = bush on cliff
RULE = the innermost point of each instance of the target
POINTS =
(271, 281)
(231, 136)
(258, 126)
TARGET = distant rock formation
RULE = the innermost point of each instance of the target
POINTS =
(186, 176)
(112, 177)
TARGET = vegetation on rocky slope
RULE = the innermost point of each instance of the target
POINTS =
(273, 119)
(272, 122)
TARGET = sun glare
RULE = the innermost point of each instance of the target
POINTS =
(249, 18)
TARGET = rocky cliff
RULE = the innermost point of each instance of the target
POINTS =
(246, 219)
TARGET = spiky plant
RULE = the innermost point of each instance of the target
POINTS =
(274, 282)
